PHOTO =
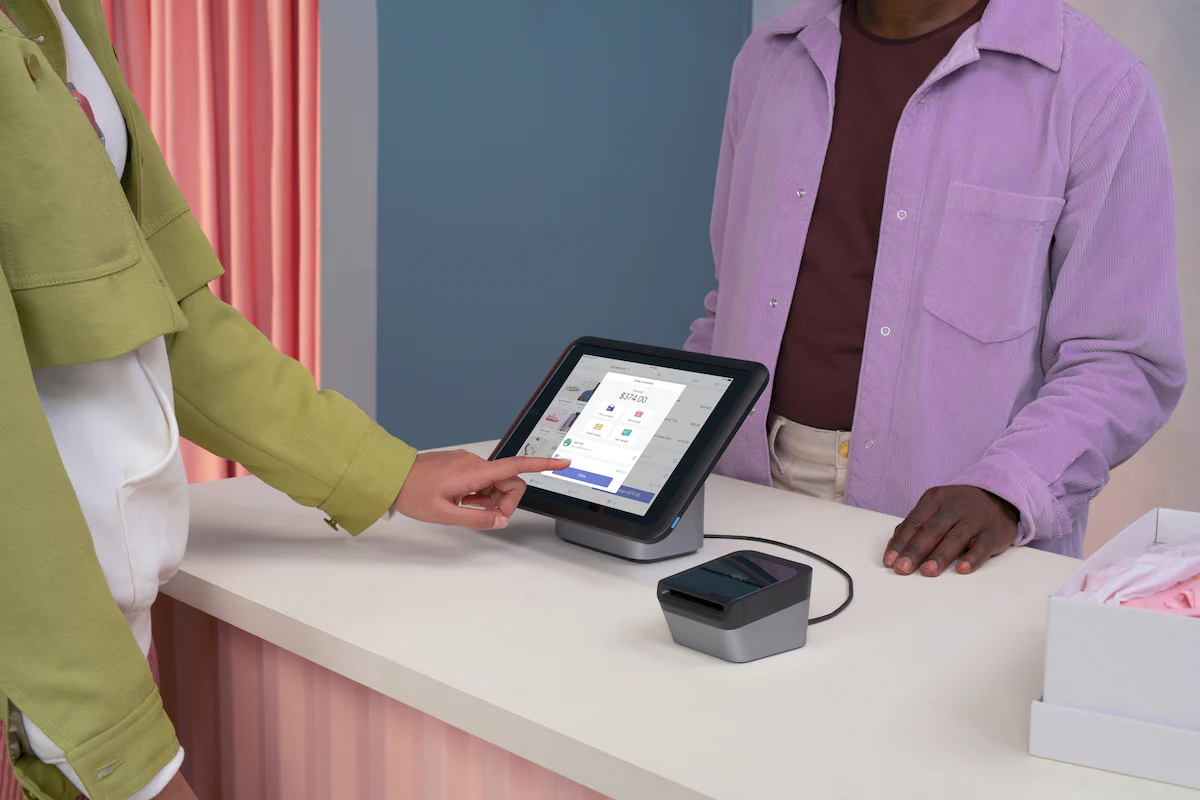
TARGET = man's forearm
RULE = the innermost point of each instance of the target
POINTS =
(1113, 339)
(1058, 452)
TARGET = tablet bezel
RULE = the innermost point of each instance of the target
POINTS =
(749, 379)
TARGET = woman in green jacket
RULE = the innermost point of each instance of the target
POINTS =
(111, 347)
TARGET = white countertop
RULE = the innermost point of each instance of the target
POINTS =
(921, 689)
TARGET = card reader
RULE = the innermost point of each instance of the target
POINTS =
(740, 607)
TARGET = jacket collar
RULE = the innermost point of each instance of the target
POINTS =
(1032, 29)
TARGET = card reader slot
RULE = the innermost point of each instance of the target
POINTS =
(695, 602)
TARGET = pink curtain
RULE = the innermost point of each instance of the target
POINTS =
(231, 90)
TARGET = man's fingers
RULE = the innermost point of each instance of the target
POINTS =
(981, 550)
(927, 537)
(495, 471)
(950, 522)
(900, 537)
(907, 529)
(951, 547)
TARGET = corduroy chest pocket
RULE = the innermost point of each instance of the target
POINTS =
(63, 215)
(989, 269)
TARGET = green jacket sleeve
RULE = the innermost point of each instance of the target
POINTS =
(67, 656)
(239, 398)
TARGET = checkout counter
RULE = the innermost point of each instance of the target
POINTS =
(515, 665)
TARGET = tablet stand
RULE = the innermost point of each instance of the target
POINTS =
(684, 539)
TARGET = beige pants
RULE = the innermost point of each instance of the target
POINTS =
(808, 461)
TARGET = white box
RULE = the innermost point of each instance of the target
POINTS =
(1122, 685)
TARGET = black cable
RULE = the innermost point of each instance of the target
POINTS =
(810, 554)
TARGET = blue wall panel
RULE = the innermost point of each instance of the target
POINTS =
(546, 172)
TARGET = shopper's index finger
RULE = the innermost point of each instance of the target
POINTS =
(523, 465)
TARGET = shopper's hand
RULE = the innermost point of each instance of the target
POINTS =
(177, 789)
(947, 522)
(459, 488)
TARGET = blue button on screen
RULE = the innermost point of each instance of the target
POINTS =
(587, 477)
(640, 495)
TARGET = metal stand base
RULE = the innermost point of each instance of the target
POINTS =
(686, 538)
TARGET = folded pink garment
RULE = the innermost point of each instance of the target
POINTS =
(1142, 574)
(1182, 599)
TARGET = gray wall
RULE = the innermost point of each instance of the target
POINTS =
(349, 162)
(1166, 473)
(765, 9)
(545, 172)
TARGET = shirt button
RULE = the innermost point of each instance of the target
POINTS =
(774, 302)
(870, 444)
(800, 193)
(901, 214)
(885, 330)
(922, 100)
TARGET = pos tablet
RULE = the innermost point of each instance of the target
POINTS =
(643, 427)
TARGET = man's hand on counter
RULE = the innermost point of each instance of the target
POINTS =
(460, 488)
(948, 522)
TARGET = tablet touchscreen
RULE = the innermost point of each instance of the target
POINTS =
(625, 426)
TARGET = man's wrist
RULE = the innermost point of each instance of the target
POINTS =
(1005, 478)
(1006, 506)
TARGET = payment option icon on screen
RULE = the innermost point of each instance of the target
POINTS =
(599, 426)
(639, 413)
(627, 432)
(612, 408)
(566, 443)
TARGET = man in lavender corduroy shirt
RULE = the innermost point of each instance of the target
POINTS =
(959, 264)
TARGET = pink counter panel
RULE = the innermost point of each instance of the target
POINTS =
(259, 723)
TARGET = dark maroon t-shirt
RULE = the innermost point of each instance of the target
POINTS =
(816, 380)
